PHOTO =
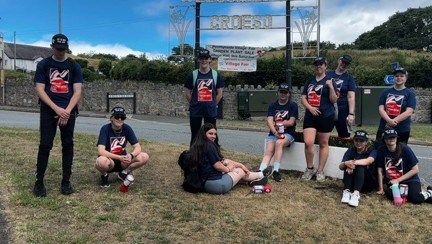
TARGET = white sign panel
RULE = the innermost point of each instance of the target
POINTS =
(234, 51)
(237, 64)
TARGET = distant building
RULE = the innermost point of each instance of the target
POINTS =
(27, 57)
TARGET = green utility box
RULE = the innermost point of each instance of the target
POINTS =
(254, 103)
(366, 103)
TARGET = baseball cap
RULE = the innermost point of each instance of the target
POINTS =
(361, 135)
(204, 53)
(319, 60)
(283, 87)
(389, 133)
(346, 58)
(60, 41)
(400, 70)
(119, 111)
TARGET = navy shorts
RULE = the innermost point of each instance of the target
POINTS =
(324, 125)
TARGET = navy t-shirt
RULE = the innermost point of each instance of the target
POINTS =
(395, 170)
(203, 102)
(396, 102)
(344, 83)
(115, 141)
(371, 169)
(318, 95)
(286, 111)
(58, 80)
(207, 171)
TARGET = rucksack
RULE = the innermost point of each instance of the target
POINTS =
(192, 181)
(195, 76)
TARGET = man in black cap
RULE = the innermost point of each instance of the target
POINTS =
(346, 86)
(58, 81)
(203, 91)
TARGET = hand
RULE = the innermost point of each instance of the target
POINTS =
(394, 181)
(314, 111)
(350, 164)
(126, 159)
(349, 171)
(350, 119)
(62, 121)
(329, 83)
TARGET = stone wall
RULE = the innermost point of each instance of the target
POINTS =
(163, 99)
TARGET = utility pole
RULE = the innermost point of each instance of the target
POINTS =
(288, 69)
(197, 31)
(60, 15)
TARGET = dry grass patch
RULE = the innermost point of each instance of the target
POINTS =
(157, 210)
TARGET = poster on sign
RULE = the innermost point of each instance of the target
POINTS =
(235, 58)
(236, 64)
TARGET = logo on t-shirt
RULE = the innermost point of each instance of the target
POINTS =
(281, 115)
(314, 95)
(118, 145)
(393, 104)
(205, 91)
(59, 81)
(393, 171)
(339, 84)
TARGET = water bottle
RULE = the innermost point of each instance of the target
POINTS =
(126, 183)
(262, 189)
(403, 188)
(397, 199)
(280, 126)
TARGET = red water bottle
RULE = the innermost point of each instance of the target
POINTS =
(280, 127)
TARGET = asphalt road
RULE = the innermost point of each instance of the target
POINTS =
(176, 130)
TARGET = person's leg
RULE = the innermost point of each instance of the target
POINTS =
(278, 149)
(341, 124)
(309, 140)
(104, 164)
(403, 137)
(221, 186)
(66, 134)
(211, 120)
(359, 178)
(195, 125)
(137, 162)
(348, 185)
(48, 128)
(415, 195)
(323, 139)
(268, 153)
(378, 138)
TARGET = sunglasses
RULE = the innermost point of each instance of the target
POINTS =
(359, 140)
(283, 92)
(60, 49)
(117, 117)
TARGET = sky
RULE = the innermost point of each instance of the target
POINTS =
(138, 27)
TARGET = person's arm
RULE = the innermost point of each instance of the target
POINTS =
(188, 94)
(351, 107)
(219, 166)
(103, 152)
(413, 171)
(290, 122)
(403, 116)
(380, 181)
(332, 92)
(136, 150)
(77, 91)
(219, 95)
(365, 161)
(40, 89)
(270, 124)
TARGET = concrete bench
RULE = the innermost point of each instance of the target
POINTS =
(293, 158)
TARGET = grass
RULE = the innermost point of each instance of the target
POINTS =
(157, 210)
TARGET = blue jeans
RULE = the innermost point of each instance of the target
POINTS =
(48, 129)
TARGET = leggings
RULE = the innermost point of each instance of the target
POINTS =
(360, 180)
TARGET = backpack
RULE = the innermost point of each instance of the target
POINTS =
(195, 76)
(192, 181)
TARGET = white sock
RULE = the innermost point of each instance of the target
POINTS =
(262, 167)
(276, 166)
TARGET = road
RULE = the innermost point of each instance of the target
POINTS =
(176, 130)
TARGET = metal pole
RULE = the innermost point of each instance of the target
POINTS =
(288, 43)
(319, 28)
(197, 31)
(60, 15)
(15, 50)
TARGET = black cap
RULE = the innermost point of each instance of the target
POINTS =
(283, 87)
(361, 135)
(319, 60)
(204, 53)
(400, 70)
(346, 58)
(119, 111)
(389, 133)
(59, 41)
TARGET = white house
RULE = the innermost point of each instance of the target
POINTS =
(24, 57)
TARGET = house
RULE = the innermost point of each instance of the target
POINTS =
(24, 57)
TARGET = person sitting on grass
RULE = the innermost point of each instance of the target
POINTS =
(360, 174)
(397, 164)
(219, 174)
(113, 156)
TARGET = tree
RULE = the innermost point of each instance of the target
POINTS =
(105, 67)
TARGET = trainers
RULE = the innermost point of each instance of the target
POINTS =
(39, 189)
(122, 176)
(354, 200)
(308, 174)
(104, 180)
(258, 182)
(268, 171)
(429, 188)
(66, 188)
(346, 195)
(277, 176)
(320, 176)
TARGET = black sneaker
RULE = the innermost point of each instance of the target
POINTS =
(258, 182)
(66, 188)
(277, 176)
(429, 188)
(122, 176)
(104, 181)
(268, 171)
(39, 189)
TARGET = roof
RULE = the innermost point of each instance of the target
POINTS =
(26, 51)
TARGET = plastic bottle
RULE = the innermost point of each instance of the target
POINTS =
(262, 189)
(397, 199)
(280, 126)
(126, 183)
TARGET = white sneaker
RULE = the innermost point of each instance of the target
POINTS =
(354, 200)
(320, 176)
(346, 196)
(308, 174)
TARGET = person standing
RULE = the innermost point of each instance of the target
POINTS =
(318, 97)
(203, 90)
(58, 81)
(113, 156)
(285, 113)
(346, 86)
(396, 105)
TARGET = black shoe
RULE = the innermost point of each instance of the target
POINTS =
(268, 171)
(66, 188)
(104, 181)
(429, 188)
(122, 176)
(39, 189)
(258, 182)
(277, 176)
